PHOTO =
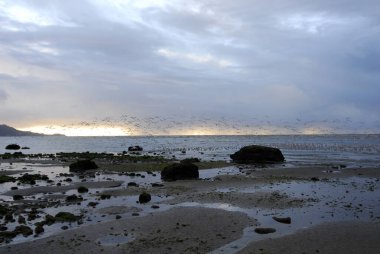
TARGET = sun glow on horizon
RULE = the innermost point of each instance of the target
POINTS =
(77, 131)
(98, 130)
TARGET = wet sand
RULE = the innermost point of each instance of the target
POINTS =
(333, 210)
(339, 238)
(179, 230)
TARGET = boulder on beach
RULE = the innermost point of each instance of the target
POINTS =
(135, 149)
(180, 171)
(257, 154)
(144, 198)
(82, 165)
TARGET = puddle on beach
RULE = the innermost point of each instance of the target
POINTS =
(90, 214)
(348, 199)
(353, 198)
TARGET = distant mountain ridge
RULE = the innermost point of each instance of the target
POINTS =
(7, 131)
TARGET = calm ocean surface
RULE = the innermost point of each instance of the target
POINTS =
(350, 150)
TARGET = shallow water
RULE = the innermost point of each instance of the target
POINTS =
(350, 199)
(351, 150)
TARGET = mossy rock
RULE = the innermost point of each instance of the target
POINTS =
(82, 165)
(12, 147)
(257, 154)
(74, 198)
(180, 171)
(5, 179)
(7, 235)
(66, 217)
(39, 229)
(144, 198)
(24, 230)
(49, 220)
(32, 178)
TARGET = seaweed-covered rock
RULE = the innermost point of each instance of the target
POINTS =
(257, 154)
(21, 219)
(49, 220)
(31, 178)
(24, 230)
(180, 171)
(135, 149)
(39, 229)
(82, 165)
(144, 198)
(5, 178)
(74, 198)
(65, 217)
(12, 147)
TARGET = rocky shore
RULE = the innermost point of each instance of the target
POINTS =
(225, 208)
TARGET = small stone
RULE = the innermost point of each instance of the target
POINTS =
(132, 184)
(265, 230)
(285, 220)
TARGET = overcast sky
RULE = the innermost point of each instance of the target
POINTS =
(191, 67)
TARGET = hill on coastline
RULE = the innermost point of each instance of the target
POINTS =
(7, 131)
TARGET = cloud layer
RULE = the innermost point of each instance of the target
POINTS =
(242, 63)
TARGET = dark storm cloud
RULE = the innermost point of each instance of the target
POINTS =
(314, 61)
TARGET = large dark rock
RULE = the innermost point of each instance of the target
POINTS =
(258, 154)
(82, 165)
(180, 171)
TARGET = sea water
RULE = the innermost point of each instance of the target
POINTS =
(348, 150)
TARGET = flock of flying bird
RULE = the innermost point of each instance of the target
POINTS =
(196, 125)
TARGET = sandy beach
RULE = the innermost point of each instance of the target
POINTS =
(332, 210)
